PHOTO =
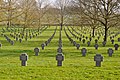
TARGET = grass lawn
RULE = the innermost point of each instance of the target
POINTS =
(44, 66)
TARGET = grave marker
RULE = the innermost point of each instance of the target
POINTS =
(0, 45)
(96, 41)
(36, 50)
(12, 42)
(78, 46)
(74, 43)
(42, 45)
(16, 38)
(96, 46)
(88, 43)
(118, 39)
(59, 50)
(46, 43)
(26, 38)
(116, 46)
(104, 43)
(112, 41)
(110, 52)
(23, 58)
(83, 51)
(20, 40)
(98, 58)
(90, 39)
(83, 40)
(30, 37)
(59, 58)
(80, 39)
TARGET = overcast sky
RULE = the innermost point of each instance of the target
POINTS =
(52, 1)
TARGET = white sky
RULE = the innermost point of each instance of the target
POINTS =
(52, 1)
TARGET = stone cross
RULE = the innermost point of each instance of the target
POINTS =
(16, 38)
(26, 38)
(30, 37)
(59, 50)
(74, 43)
(98, 58)
(46, 43)
(83, 51)
(116, 46)
(90, 38)
(88, 43)
(80, 39)
(23, 58)
(78, 46)
(110, 52)
(118, 39)
(96, 46)
(36, 50)
(12, 42)
(42, 45)
(83, 40)
(0, 45)
(104, 43)
(96, 41)
(112, 41)
(59, 58)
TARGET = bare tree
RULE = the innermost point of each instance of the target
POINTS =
(9, 11)
(42, 10)
(28, 8)
(107, 12)
(61, 6)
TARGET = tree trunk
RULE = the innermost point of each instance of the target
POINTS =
(61, 24)
(8, 24)
(24, 29)
(9, 14)
(39, 25)
(39, 28)
(93, 32)
(105, 36)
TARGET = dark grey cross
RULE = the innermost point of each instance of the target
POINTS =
(80, 39)
(104, 43)
(20, 40)
(74, 43)
(90, 39)
(36, 50)
(12, 42)
(23, 58)
(16, 38)
(26, 38)
(42, 45)
(83, 51)
(96, 46)
(59, 50)
(46, 43)
(30, 37)
(118, 39)
(88, 43)
(110, 52)
(0, 45)
(83, 40)
(78, 46)
(112, 41)
(59, 58)
(116, 46)
(98, 58)
(96, 41)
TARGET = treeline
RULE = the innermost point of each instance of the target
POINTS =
(35, 13)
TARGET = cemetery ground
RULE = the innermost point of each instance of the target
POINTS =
(44, 66)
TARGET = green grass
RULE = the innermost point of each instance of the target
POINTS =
(43, 67)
